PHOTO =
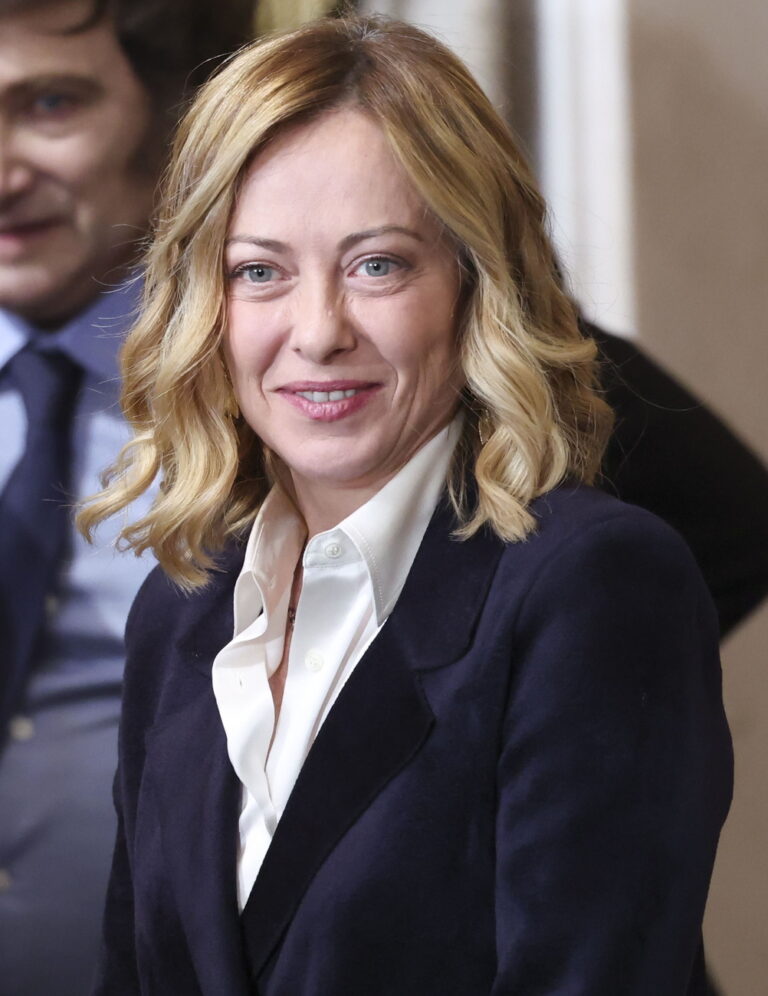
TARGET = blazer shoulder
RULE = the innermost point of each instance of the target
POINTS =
(590, 540)
(570, 512)
(608, 592)
(162, 607)
(155, 602)
(172, 637)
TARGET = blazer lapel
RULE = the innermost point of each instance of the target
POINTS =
(378, 723)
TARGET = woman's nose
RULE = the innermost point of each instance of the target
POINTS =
(321, 328)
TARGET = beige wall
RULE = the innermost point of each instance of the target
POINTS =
(700, 131)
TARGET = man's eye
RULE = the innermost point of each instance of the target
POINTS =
(53, 103)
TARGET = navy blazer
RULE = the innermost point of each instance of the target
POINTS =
(518, 791)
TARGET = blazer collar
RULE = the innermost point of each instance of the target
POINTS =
(447, 585)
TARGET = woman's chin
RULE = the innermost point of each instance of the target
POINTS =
(338, 471)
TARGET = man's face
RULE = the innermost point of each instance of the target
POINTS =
(74, 122)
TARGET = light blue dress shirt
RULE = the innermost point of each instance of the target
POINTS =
(56, 818)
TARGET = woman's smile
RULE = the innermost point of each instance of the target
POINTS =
(329, 401)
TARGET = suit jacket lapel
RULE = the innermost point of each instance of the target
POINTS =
(378, 723)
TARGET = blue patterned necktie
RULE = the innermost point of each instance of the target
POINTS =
(34, 514)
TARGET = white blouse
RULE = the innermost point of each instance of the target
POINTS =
(353, 575)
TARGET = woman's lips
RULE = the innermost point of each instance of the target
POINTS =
(329, 401)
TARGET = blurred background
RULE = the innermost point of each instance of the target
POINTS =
(647, 123)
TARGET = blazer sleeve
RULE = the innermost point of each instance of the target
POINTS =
(615, 770)
(117, 971)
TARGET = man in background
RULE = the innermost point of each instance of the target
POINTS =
(89, 92)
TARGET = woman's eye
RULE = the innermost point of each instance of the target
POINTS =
(379, 266)
(257, 273)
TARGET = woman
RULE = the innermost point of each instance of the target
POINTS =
(411, 708)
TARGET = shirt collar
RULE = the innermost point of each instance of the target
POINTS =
(92, 338)
(389, 527)
(386, 532)
(274, 546)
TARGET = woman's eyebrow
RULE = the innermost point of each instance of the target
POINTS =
(370, 233)
(273, 245)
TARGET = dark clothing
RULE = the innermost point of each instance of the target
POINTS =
(57, 822)
(519, 789)
(671, 455)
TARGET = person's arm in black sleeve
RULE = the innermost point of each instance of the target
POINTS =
(673, 456)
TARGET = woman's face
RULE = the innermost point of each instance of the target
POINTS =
(342, 308)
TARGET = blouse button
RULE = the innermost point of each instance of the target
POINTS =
(314, 660)
(332, 550)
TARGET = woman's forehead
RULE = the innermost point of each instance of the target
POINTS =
(338, 169)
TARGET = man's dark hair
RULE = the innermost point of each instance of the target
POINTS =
(172, 45)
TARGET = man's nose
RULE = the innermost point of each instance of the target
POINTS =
(15, 173)
(321, 327)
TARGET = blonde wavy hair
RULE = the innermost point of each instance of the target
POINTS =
(533, 414)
